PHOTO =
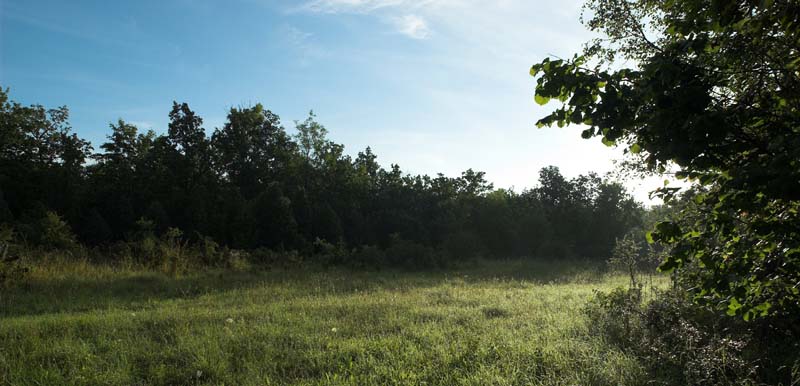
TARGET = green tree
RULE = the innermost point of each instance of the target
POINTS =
(713, 91)
(252, 149)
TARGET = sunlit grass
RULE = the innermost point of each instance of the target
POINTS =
(502, 323)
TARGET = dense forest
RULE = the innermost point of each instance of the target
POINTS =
(250, 185)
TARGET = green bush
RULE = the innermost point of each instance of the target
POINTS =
(173, 252)
(11, 268)
(682, 343)
(142, 242)
(368, 256)
(270, 257)
(617, 316)
(412, 255)
(46, 229)
(209, 251)
(330, 254)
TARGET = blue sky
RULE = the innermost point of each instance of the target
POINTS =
(433, 85)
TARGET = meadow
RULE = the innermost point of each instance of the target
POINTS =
(491, 323)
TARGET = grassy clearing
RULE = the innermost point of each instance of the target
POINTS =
(504, 323)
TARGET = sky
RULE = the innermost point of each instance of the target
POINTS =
(431, 85)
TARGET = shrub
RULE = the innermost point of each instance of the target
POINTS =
(235, 259)
(412, 255)
(626, 256)
(209, 251)
(368, 256)
(270, 257)
(143, 242)
(49, 231)
(329, 254)
(617, 316)
(173, 252)
(168, 253)
(682, 343)
(11, 268)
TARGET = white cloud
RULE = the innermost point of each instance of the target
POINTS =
(302, 45)
(348, 6)
(369, 6)
(413, 26)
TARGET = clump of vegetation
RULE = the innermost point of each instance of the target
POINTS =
(11, 268)
(410, 254)
(683, 344)
(707, 90)
(367, 256)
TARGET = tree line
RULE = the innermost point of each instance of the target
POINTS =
(251, 185)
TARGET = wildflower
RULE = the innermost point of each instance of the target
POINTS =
(229, 320)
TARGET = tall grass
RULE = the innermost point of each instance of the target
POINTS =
(501, 323)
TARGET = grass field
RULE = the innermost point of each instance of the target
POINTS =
(503, 323)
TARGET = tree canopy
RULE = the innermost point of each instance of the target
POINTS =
(252, 185)
(709, 89)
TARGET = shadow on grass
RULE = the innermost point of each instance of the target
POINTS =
(128, 290)
(143, 290)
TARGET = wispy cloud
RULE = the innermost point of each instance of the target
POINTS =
(302, 44)
(410, 24)
(348, 6)
(368, 6)
(413, 26)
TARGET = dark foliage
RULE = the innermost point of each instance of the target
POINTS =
(251, 186)
(713, 92)
(683, 344)
(710, 90)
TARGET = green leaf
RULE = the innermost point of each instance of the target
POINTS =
(541, 100)
(607, 141)
(733, 307)
(669, 265)
(635, 148)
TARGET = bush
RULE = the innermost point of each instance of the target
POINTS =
(368, 256)
(172, 250)
(46, 229)
(143, 243)
(270, 257)
(209, 251)
(412, 255)
(11, 268)
(682, 343)
(169, 253)
(617, 316)
(236, 260)
(329, 254)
